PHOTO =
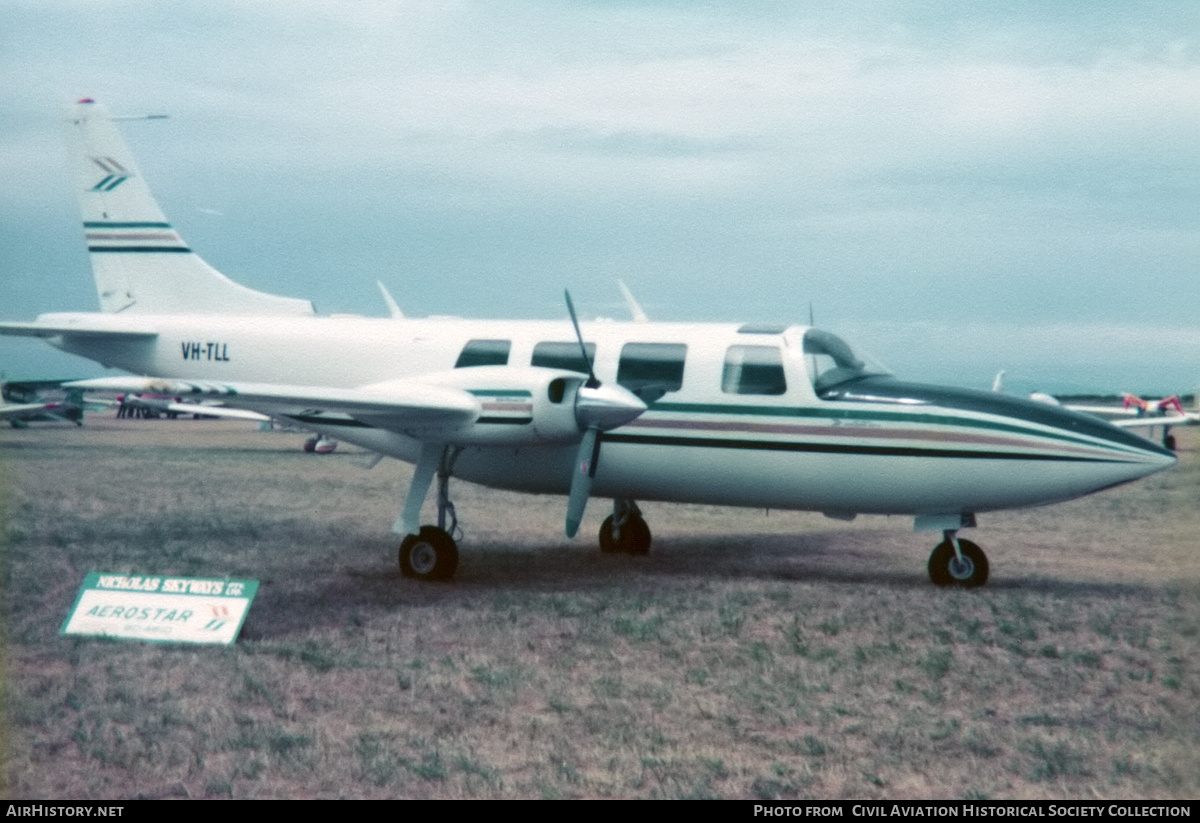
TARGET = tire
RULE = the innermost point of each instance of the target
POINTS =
(429, 555)
(607, 544)
(944, 569)
(635, 537)
(1169, 442)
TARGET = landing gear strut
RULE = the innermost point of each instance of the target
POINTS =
(956, 562)
(625, 531)
(430, 553)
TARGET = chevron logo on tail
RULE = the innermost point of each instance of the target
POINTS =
(116, 174)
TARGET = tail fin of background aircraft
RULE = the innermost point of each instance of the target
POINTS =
(140, 262)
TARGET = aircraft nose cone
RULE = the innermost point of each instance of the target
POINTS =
(606, 407)
(1151, 459)
(1152, 456)
(1158, 457)
(1116, 455)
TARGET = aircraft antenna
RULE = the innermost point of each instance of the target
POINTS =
(141, 117)
(812, 358)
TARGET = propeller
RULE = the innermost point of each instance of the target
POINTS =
(592, 382)
(597, 408)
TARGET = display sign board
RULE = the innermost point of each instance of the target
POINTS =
(161, 609)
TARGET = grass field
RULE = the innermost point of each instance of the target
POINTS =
(748, 656)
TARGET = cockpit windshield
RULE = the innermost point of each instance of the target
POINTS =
(832, 362)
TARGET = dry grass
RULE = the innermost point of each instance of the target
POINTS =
(748, 656)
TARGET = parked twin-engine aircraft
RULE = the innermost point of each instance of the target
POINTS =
(25, 403)
(767, 416)
(19, 415)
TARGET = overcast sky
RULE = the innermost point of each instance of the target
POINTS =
(963, 190)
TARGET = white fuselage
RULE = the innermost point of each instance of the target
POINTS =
(706, 441)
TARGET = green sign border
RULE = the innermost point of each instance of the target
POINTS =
(248, 591)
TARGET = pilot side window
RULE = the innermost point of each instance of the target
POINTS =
(753, 370)
(484, 353)
(564, 356)
(650, 370)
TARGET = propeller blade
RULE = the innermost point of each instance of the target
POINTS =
(592, 381)
(586, 460)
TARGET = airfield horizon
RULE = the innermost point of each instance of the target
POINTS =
(752, 655)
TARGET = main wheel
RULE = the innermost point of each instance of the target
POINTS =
(429, 555)
(945, 569)
(634, 538)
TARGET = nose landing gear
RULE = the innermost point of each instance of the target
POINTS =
(956, 562)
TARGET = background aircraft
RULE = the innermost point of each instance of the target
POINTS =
(766, 416)
(1133, 413)
(25, 402)
(1136, 413)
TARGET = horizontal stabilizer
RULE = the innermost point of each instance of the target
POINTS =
(38, 329)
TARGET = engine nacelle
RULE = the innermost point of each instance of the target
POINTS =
(521, 406)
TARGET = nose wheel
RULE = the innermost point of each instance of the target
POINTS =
(956, 562)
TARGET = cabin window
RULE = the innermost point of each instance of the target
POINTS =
(484, 353)
(650, 370)
(565, 356)
(753, 370)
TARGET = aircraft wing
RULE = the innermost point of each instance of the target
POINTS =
(1146, 422)
(18, 410)
(217, 411)
(408, 407)
(1103, 411)
(1132, 419)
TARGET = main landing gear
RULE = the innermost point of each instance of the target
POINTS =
(430, 552)
(429, 555)
(625, 531)
(956, 562)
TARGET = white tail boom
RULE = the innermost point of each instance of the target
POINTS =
(141, 264)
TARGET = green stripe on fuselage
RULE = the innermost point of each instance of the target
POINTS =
(825, 413)
(500, 393)
(839, 448)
